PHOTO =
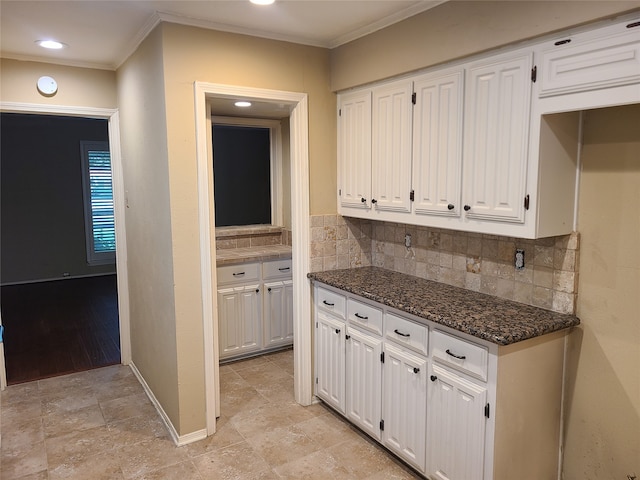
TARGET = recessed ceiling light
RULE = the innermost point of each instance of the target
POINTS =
(262, 2)
(242, 104)
(51, 44)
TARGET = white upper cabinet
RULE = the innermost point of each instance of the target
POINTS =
(466, 146)
(586, 62)
(498, 98)
(437, 143)
(391, 151)
(354, 151)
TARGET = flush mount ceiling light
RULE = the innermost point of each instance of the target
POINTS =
(242, 104)
(262, 2)
(51, 44)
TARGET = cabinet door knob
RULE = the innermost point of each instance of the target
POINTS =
(363, 200)
(269, 289)
(416, 370)
(257, 290)
(374, 201)
(467, 208)
(451, 206)
(433, 378)
(347, 337)
(337, 330)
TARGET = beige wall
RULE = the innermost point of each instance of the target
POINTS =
(457, 29)
(192, 54)
(78, 87)
(149, 247)
(603, 398)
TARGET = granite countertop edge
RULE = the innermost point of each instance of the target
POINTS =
(483, 316)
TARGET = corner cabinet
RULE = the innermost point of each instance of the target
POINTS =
(452, 406)
(255, 308)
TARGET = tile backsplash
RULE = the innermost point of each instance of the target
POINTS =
(479, 262)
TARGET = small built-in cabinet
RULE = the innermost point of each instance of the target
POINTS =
(452, 406)
(255, 307)
(586, 61)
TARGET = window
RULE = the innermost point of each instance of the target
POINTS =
(247, 166)
(98, 203)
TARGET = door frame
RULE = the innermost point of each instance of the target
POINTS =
(113, 119)
(299, 153)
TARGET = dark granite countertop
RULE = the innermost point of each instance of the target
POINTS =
(483, 316)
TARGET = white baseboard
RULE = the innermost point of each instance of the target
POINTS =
(179, 440)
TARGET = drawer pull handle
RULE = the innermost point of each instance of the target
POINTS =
(284, 269)
(328, 304)
(401, 334)
(361, 317)
(238, 274)
(416, 370)
(337, 330)
(433, 378)
(459, 357)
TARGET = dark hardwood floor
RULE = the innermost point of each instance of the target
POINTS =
(59, 327)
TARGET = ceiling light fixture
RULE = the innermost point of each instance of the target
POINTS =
(51, 44)
(262, 2)
(242, 104)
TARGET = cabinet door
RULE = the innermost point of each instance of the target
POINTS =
(364, 371)
(240, 318)
(391, 150)
(354, 150)
(437, 144)
(330, 361)
(404, 405)
(455, 427)
(591, 64)
(278, 309)
(498, 96)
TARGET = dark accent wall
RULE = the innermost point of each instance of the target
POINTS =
(41, 208)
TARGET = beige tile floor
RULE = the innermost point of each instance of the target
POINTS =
(100, 425)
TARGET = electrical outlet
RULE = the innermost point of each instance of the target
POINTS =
(407, 240)
(519, 259)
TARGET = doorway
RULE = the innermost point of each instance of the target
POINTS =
(59, 299)
(112, 118)
(296, 104)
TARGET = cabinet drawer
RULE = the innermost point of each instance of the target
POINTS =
(276, 269)
(365, 315)
(406, 333)
(599, 63)
(331, 302)
(460, 354)
(243, 272)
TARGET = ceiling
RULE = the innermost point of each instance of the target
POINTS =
(103, 33)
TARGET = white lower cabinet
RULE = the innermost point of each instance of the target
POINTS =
(330, 360)
(278, 313)
(255, 307)
(239, 333)
(404, 400)
(455, 426)
(364, 371)
(451, 406)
